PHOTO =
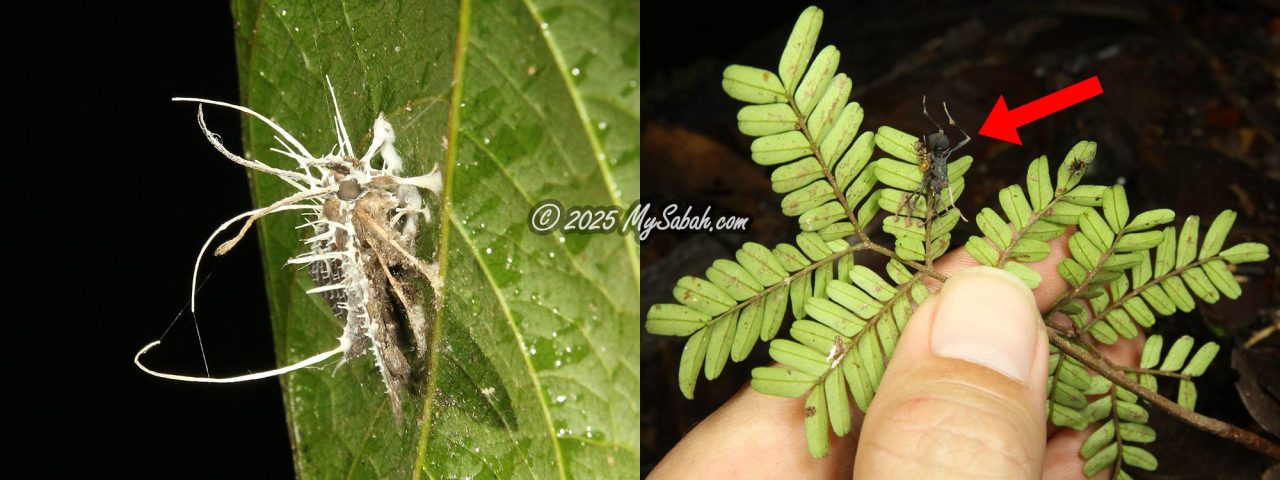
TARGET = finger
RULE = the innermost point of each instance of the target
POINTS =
(964, 394)
(754, 435)
(1052, 285)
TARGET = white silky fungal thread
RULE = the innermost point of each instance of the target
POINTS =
(364, 229)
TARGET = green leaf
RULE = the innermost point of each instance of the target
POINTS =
(842, 133)
(783, 382)
(744, 338)
(822, 216)
(1166, 252)
(795, 58)
(1200, 284)
(1201, 360)
(1064, 416)
(691, 359)
(760, 262)
(1178, 293)
(838, 404)
(852, 162)
(733, 279)
(1151, 351)
(1015, 206)
(1028, 275)
(1217, 234)
(829, 106)
(900, 144)
(1140, 458)
(1098, 409)
(898, 174)
(1187, 394)
(833, 315)
(1139, 241)
(859, 383)
(791, 258)
(1187, 241)
(807, 198)
(817, 80)
(1102, 437)
(1150, 219)
(1246, 252)
(1085, 195)
(702, 296)
(780, 148)
(1100, 460)
(982, 251)
(489, 407)
(814, 335)
(1137, 433)
(1222, 278)
(1173, 361)
(720, 344)
(671, 319)
(1076, 163)
(854, 299)
(798, 356)
(995, 228)
(1095, 227)
(815, 423)
(761, 120)
(1039, 185)
(753, 85)
(1131, 412)
(1115, 206)
(775, 307)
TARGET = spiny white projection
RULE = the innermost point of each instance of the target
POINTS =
(361, 254)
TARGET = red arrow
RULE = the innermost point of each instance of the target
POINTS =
(1002, 123)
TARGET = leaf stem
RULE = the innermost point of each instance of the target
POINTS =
(831, 179)
(787, 281)
(1111, 372)
(1119, 302)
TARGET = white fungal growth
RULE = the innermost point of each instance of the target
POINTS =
(363, 222)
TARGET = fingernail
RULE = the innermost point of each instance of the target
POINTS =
(987, 316)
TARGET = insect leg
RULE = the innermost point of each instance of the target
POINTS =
(953, 123)
(925, 107)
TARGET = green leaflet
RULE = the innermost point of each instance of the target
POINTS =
(753, 85)
(795, 58)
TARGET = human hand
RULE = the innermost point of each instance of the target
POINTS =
(963, 397)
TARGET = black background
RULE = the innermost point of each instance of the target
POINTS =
(116, 191)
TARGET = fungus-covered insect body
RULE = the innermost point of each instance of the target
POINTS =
(361, 253)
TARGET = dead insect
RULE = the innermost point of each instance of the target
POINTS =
(933, 150)
(362, 251)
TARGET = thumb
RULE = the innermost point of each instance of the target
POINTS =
(964, 395)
